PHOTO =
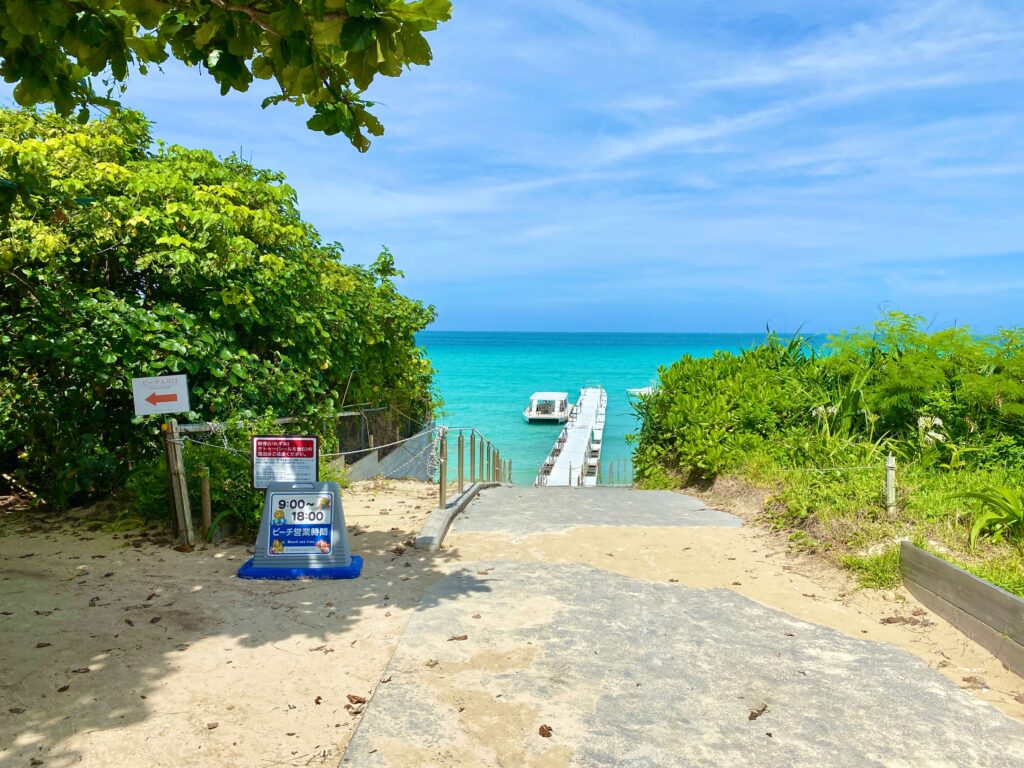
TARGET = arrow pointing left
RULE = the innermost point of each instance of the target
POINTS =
(160, 394)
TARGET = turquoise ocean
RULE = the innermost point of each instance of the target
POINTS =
(486, 379)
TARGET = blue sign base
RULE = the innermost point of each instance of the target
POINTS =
(352, 571)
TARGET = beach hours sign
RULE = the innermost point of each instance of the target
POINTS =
(300, 523)
(160, 394)
(284, 459)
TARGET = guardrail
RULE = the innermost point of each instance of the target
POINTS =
(491, 468)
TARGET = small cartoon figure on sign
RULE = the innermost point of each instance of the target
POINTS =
(279, 516)
(323, 545)
(325, 502)
(277, 547)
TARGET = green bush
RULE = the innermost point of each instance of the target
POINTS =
(117, 261)
(814, 423)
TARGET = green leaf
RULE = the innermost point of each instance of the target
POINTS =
(357, 33)
(206, 32)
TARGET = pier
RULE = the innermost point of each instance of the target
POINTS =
(575, 459)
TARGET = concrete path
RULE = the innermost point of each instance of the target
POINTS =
(517, 512)
(627, 672)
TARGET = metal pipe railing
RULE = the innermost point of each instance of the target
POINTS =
(485, 462)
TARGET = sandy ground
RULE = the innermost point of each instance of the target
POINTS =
(117, 650)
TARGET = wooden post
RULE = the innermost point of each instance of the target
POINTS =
(443, 480)
(204, 500)
(462, 446)
(472, 456)
(510, 471)
(890, 485)
(179, 484)
(168, 462)
(483, 475)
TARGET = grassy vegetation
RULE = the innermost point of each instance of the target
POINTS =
(814, 424)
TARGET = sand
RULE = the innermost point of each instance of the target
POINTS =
(119, 651)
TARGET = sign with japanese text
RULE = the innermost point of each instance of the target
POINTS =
(284, 459)
(160, 394)
(300, 523)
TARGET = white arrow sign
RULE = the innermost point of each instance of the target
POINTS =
(160, 394)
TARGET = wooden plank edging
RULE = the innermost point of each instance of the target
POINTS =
(989, 615)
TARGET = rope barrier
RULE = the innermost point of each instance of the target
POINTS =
(377, 447)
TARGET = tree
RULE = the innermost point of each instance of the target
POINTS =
(322, 53)
(122, 262)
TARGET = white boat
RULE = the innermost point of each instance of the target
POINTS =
(547, 408)
(640, 391)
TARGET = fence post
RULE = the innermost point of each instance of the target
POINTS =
(510, 471)
(204, 501)
(497, 466)
(483, 475)
(461, 449)
(443, 478)
(179, 483)
(472, 456)
(890, 485)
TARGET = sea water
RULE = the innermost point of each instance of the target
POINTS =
(485, 381)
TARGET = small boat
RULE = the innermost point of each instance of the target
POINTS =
(547, 408)
(640, 391)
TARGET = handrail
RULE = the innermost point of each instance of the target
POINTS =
(492, 468)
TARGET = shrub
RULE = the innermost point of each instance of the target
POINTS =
(121, 262)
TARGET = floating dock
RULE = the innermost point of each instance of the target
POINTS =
(576, 456)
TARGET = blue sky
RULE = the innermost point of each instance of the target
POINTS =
(673, 166)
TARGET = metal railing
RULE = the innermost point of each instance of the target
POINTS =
(486, 464)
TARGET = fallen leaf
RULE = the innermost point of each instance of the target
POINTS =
(317, 700)
(183, 548)
(80, 670)
(545, 731)
(673, 581)
(15, 710)
(355, 699)
(151, 596)
(476, 615)
(975, 682)
(1019, 698)
(756, 713)
(129, 622)
(63, 688)
(736, 584)
(432, 663)
(458, 637)
(35, 761)
(211, 726)
(154, 620)
(388, 680)
(42, 645)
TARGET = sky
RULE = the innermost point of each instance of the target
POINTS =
(672, 165)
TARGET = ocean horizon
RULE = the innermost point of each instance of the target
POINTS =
(485, 379)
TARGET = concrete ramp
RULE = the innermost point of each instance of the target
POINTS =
(520, 511)
(633, 673)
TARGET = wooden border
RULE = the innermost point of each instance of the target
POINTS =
(990, 616)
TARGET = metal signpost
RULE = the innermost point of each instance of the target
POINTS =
(284, 459)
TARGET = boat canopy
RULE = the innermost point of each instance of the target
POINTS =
(537, 396)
